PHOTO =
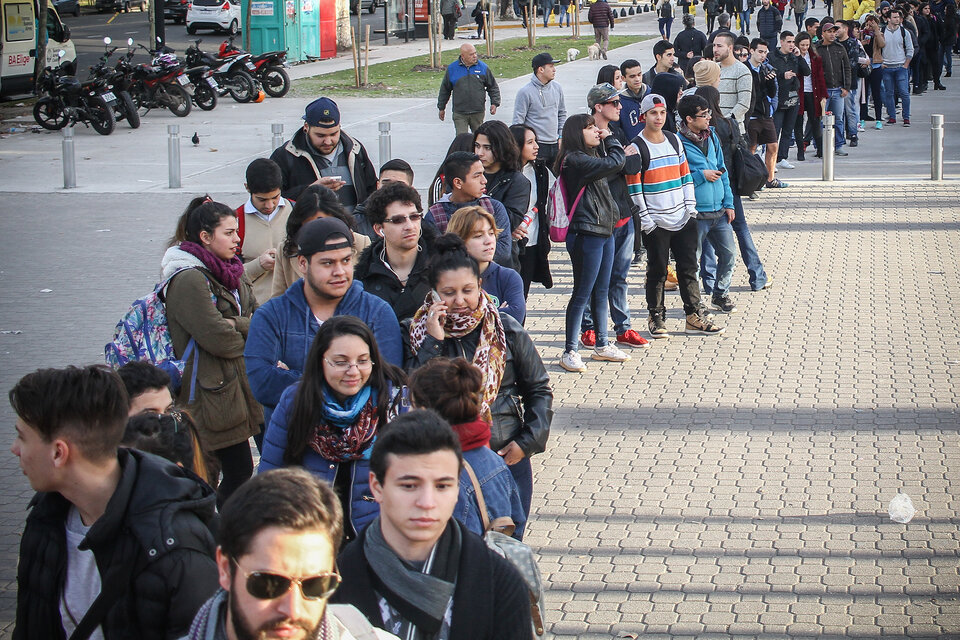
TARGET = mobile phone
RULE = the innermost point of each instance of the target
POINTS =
(723, 169)
(340, 178)
(433, 297)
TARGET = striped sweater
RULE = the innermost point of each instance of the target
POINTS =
(665, 195)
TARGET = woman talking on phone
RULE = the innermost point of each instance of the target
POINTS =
(459, 319)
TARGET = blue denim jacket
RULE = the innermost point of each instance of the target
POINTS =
(499, 491)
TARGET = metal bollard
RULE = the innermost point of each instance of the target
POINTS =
(826, 146)
(173, 155)
(936, 146)
(385, 153)
(277, 129)
(69, 159)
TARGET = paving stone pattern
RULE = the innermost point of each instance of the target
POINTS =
(709, 488)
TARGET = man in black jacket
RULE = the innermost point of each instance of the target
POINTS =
(118, 542)
(320, 153)
(838, 74)
(394, 267)
(415, 568)
(689, 43)
(791, 69)
(769, 22)
(760, 125)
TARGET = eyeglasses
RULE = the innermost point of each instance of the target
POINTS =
(413, 217)
(613, 103)
(742, 54)
(346, 365)
(263, 585)
(706, 114)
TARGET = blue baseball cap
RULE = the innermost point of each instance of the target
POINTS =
(322, 112)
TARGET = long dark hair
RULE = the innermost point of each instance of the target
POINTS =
(607, 73)
(202, 214)
(502, 144)
(712, 96)
(572, 140)
(803, 35)
(308, 404)
(314, 199)
(519, 132)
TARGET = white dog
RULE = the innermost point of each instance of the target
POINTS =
(572, 54)
(594, 51)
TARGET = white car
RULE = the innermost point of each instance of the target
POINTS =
(219, 15)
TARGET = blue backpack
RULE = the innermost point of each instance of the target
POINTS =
(143, 334)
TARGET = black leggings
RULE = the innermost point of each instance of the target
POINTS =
(801, 134)
(236, 464)
(876, 92)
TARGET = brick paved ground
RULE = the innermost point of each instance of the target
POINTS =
(710, 486)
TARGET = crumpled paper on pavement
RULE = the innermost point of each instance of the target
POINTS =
(901, 509)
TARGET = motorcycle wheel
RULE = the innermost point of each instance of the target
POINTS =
(49, 114)
(130, 111)
(100, 115)
(240, 86)
(175, 98)
(276, 82)
(204, 96)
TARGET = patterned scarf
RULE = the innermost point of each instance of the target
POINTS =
(226, 272)
(491, 351)
(348, 431)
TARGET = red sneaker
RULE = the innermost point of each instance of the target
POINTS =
(632, 338)
(589, 338)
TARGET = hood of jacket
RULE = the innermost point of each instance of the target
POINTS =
(176, 259)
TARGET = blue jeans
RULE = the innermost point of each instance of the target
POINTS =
(592, 260)
(948, 59)
(745, 22)
(547, 10)
(896, 81)
(748, 253)
(799, 17)
(563, 14)
(851, 108)
(718, 233)
(617, 295)
(836, 107)
(664, 25)
(522, 473)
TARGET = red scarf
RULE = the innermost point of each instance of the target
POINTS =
(473, 435)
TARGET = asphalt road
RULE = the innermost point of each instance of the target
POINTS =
(88, 31)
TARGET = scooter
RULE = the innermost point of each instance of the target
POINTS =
(231, 73)
(65, 101)
(269, 68)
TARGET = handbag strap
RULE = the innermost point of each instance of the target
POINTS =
(479, 493)
(113, 585)
(576, 200)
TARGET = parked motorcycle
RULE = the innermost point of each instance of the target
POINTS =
(205, 86)
(112, 86)
(269, 68)
(160, 84)
(65, 101)
(230, 73)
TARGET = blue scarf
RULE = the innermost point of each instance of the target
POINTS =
(342, 416)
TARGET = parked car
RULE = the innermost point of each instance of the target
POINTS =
(219, 15)
(369, 5)
(176, 10)
(121, 5)
(67, 6)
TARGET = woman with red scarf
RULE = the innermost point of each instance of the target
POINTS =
(209, 302)
(452, 389)
(327, 422)
(812, 97)
(459, 319)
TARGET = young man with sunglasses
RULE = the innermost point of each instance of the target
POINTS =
(117, 543)
(282, 329)
(415, 570)
(394, 267)
(279, 535)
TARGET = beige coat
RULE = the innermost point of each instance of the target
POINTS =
(285, 272)
(259, 236)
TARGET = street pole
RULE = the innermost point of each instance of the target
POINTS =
(69, 159)
(386, 153)
(277, 130)
(173, 155)
(936, 146)
(826, 146)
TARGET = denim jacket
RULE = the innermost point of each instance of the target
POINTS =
(499, 492)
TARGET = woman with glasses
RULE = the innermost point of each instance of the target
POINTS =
(460, 319)
(328, 421)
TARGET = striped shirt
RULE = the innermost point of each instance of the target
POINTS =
(665, 196)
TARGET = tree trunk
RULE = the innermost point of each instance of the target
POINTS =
(41, 60)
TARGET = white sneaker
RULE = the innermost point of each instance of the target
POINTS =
(609, 353)
(785, 164)
(571, 361)
(860, 127)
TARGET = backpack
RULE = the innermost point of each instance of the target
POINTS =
(558, 213)
(751, 172)
(142, 334)
(645, 150)
(519, 555)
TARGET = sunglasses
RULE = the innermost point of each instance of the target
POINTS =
(269, 586)
(613, 103)
(413, 217)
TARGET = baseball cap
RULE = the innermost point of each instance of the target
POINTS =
(650, 101)
(323, 234)
(542, 60)
(322, 112)
(827, 24)
(598, 94)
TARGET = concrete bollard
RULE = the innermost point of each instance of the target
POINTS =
(173, 155)
(69, 159)
(277, 130)
(936, 146)
(827, 146)
(385, 152)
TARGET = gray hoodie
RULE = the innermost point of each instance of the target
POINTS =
(540, 106)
